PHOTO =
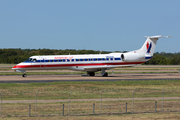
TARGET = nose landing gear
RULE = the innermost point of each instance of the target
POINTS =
(24, 75)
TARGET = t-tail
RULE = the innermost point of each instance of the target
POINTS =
(149, 46)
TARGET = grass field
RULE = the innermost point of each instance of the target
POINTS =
(92, 90)
(145, 116)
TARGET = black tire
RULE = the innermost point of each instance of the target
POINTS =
(91, 73)
(105, 74)
(24, 75)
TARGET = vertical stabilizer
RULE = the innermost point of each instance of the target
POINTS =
(149, 45)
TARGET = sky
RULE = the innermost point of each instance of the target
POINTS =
(104, 25)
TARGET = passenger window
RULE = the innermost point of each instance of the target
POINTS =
(95, 59)
(99, 59)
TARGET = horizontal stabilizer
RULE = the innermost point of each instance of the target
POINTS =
(158, 36)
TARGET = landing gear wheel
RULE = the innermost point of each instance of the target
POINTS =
(24, 75)
(105, 74)
(91, 73)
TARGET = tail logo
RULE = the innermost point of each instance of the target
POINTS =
(149, 45)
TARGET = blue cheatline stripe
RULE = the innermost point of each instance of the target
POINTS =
(148, 57)
(117, 58)
(64, 60)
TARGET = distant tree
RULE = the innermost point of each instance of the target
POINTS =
(19, 55)
(157, 60)
(45, 52)
(175, 60)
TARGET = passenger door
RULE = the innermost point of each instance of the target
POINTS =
(42, 62)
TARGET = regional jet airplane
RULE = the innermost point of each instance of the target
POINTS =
(93, 62)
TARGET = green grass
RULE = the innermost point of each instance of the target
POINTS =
(90, 90)
(85, 108)
(153, 68)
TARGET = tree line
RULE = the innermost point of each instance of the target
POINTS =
(15, 56)
(164, 59)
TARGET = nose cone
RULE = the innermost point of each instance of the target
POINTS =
(14, 67)
(17, 66)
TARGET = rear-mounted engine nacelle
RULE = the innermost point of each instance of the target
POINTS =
(129, 57)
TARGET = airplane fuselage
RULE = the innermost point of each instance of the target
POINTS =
(93, 62)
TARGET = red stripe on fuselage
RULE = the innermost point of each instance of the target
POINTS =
(68, 65)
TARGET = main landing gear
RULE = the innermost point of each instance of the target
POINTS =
(24, 75)
(103, 73)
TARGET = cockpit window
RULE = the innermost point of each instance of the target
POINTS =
(30, 59)
(34, 60)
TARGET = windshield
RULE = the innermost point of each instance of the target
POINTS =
(30, 59)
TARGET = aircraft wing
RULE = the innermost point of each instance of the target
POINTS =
(96, 68)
